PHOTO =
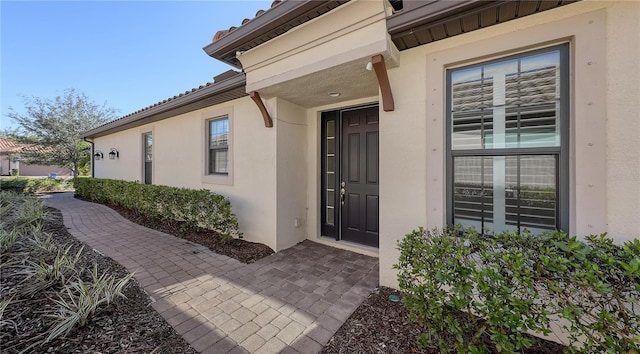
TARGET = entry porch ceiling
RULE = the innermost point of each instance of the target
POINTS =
(352, 80)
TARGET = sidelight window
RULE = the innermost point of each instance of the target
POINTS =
(330, 185)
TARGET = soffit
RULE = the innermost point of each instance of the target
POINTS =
(350, 79)
(422, 22)
(266, 26)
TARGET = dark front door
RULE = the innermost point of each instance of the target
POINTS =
(359, 176)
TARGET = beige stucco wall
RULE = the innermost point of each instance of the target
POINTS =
(605, 151)
(179, 158)
(291, 125)
(623, 120)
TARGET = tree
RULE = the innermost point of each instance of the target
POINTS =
(54, 127)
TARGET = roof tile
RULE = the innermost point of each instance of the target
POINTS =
(224, 32)
(227, 75)
(8, 146)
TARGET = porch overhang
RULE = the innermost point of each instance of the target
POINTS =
(338, 57)
(266, 26)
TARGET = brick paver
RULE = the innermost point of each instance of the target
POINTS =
(292, 301)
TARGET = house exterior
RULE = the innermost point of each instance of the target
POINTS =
(10, 159)
(350, 123)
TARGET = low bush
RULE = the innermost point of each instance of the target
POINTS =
(80, 300)
(34, 185)
(464, 287)
(45, 275)
(191, 208)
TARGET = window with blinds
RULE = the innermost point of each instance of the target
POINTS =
(218, 146)
(507, 142)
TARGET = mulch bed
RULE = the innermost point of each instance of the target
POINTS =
(377, 325)
(128, 326)
(381, 326)
(242, 250)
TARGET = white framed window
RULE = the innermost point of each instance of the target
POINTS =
(217, 146)
(507, 143)
(218, 143)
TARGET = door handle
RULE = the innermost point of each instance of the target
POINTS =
(342, 193)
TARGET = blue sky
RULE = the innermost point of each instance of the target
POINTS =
(129, 54)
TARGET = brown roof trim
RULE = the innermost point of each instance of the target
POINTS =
(266, 26)
(422, 22)
(223, 90)
(417, 13)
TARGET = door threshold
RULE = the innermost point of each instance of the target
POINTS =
(348, 246)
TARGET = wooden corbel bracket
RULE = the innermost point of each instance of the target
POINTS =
(255, 96)
(383, 81)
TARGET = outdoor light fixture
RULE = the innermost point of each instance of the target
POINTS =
(334, 94)
(98, 155)
(113, 154)
(369, 66)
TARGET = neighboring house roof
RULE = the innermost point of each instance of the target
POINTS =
(225, 87)
(8, 146)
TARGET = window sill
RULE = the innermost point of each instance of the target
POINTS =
(218, 179)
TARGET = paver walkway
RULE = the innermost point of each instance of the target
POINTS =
(291, 302)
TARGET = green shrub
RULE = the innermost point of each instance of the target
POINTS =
(34, 185)
(48, 270)
(80, 300)
(43, 273)
(461, 287)
(190, 208)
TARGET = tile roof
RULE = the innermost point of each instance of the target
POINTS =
(220, 77)
(8, 146)
(166, 100)
(224, 32)
(265, 26)
(220, 83)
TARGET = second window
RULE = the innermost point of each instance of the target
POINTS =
(218, 142)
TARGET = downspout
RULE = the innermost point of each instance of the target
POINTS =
(93, 172)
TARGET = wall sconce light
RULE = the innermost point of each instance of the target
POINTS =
(98, 155)
(113, 154)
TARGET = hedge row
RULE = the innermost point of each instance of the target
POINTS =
(34, 185)
(189, 208)
(464, 287)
